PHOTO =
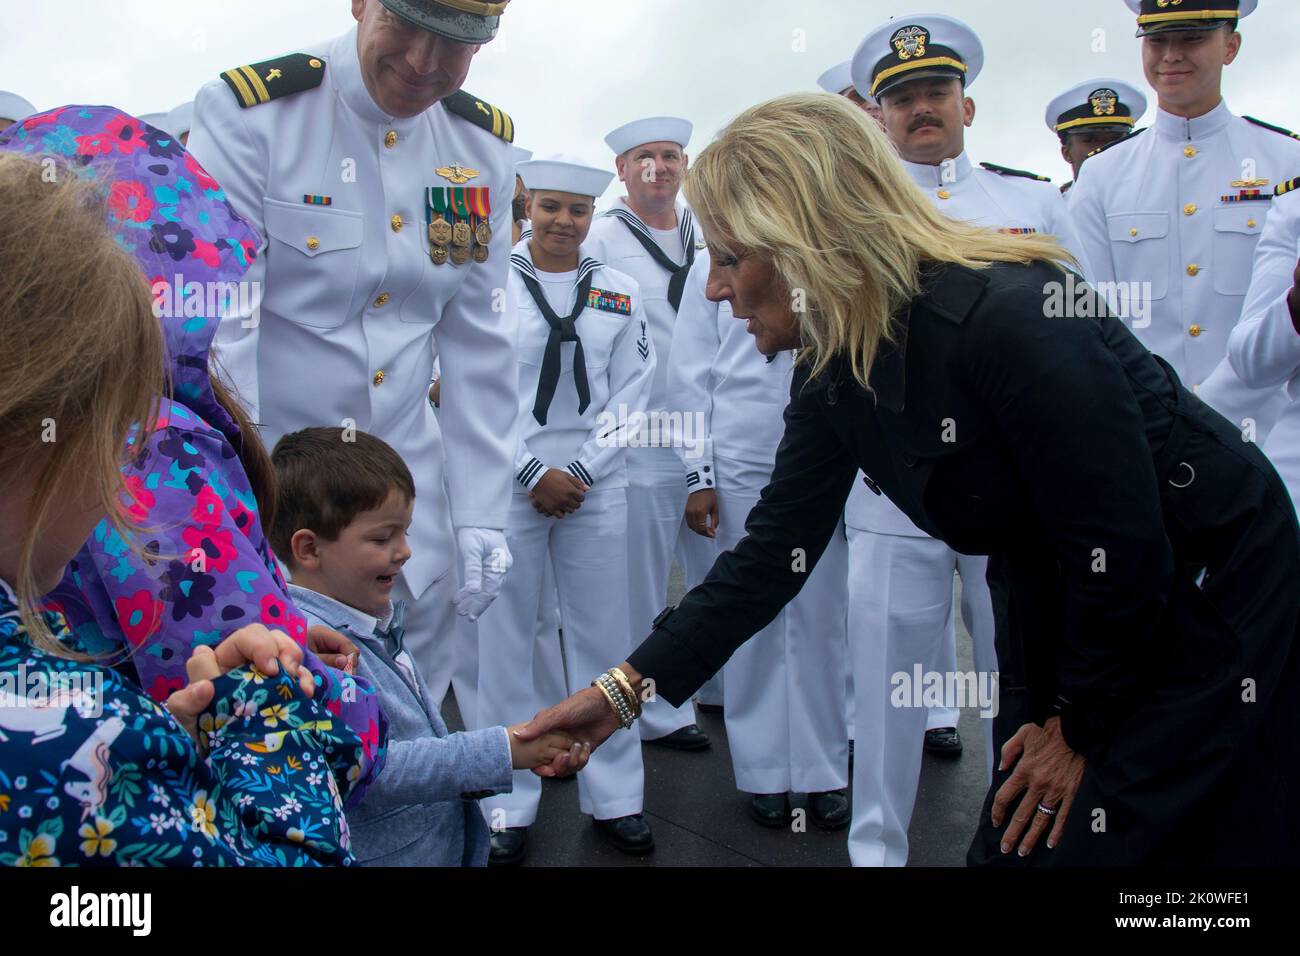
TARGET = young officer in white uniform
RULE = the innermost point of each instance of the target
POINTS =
(901, 610)
(585, 367)
(1181, 206)
(650, 235)
(1091, 115)
(384, 197)
(13, 108)
(785, 687)
(1264, 348)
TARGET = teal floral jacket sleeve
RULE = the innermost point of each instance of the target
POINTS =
(93, 772)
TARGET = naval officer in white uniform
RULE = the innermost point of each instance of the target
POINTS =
(1264, 348)
(901, 610)
(1173, 214)
(650, 235)
(383, 193)
(1091, 115)
(785, 687)
(586, 362)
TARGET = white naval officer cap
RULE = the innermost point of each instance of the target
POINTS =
(913, 48)
(652, 129)
(564, 173)
(1101, 103)
(465, 21)
(1162, 16)
(839, 79)
(14, 107)
(180, 119)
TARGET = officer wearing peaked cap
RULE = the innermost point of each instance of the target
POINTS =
(1093, 114)
(13, 108)
(1170, 218)
(650, 235)
(585, 367)
(900, 579)
(383, 193)
(839, 80)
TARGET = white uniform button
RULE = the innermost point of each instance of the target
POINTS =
(390, 138)
(381, 300)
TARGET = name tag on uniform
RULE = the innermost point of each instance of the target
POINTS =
(605, 301)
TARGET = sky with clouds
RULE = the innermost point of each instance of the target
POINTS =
(570, 71)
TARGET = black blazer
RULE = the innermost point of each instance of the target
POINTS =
(1136, 541)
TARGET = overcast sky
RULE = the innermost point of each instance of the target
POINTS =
(569, 71)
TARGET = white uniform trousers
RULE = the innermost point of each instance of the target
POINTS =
(656, 502)
(548, 658)
(785, 685)
(588, 550)
(696, 554)
(901, 614)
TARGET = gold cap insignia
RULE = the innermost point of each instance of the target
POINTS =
(1103, 102)
(910, 42)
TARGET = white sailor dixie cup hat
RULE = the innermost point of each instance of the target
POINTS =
(913, 47)
(465, 21)
(181, 119)
(1180, 16)
(1097, 104)
(652, 129)
(564, 173)
(158, 121)
(520, 155)
(14, 107)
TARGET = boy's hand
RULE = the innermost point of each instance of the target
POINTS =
(558, 493)
(531, 754)
(333, 648)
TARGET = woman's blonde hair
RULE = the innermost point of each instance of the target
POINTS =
(810, 182)
(81, 354)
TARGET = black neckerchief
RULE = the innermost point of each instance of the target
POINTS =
(641, 232)
(562, 330)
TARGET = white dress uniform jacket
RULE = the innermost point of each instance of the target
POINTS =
(1264, 348)
(351, 308)
(1165, 208)
(620, 364)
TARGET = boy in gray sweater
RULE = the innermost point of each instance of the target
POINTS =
(343, 504)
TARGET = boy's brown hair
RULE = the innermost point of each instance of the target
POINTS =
(325, 477)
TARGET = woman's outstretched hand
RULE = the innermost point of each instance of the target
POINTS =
(586, 717)
(1048, 772)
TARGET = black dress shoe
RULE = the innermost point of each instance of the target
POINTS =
(509, 847)
(770, 809)
(689, 737)
(629, 834)
(943, 742)
(829, 810)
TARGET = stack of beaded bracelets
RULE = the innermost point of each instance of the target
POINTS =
(622, 698)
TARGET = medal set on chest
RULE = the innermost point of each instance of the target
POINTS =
(458, 218)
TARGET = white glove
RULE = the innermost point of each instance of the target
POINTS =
(486, 560)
